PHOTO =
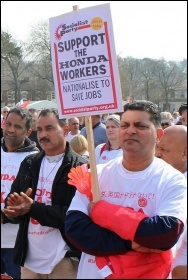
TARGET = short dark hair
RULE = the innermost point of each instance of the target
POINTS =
(182, 108)
(24, 114)
(146, 106)
(46, 112)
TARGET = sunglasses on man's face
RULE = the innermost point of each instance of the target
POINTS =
(5, 111)
(165, 124)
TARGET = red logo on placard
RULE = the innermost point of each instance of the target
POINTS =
(57, 32)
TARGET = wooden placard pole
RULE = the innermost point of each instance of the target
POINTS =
(91, 150)
(75, 7)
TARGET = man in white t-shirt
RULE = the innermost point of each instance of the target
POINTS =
(39, 199)
(15, 146)
(172, 148)
(131, 230)
(73, 128)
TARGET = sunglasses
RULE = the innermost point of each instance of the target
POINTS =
(5, 111)
(165, 124)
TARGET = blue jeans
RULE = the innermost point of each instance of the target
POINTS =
(7, 264)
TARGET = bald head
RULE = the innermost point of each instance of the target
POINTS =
(73, 125)
(178, 133)
(5, 111)
(172, 147)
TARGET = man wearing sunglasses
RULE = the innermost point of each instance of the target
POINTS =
(166, 119)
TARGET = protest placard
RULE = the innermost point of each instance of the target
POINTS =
(84, 62)
(85, 69)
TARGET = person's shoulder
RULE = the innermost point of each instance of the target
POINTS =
(79, 159)
(163, 164)
(83, 131)
(101, 130)
(99, 146)
(110, 164)
(33, 156)
(29, 146)
(102, 126)
(167, 169)
(86, 157)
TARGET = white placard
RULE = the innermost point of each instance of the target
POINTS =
(84, 62)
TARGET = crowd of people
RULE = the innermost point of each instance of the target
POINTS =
(168, 119)
(50, 226)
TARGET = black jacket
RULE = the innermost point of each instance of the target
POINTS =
(62, 194)
(28, 146)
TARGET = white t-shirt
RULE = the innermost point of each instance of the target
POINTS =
(70, 136)
(175, 120)
(158, 190)
(106, 155)
(46, 247)
(10, 163)
(181, 254)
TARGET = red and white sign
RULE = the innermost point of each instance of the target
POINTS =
(84, 62)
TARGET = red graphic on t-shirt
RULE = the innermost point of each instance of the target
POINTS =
(142, 202)
(2, 199)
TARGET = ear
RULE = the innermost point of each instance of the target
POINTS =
(29, 132)
(160, 133)
(66, 129)
(184, 156)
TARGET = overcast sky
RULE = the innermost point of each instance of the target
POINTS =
(152, 29)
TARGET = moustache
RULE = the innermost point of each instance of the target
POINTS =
(44, 139)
